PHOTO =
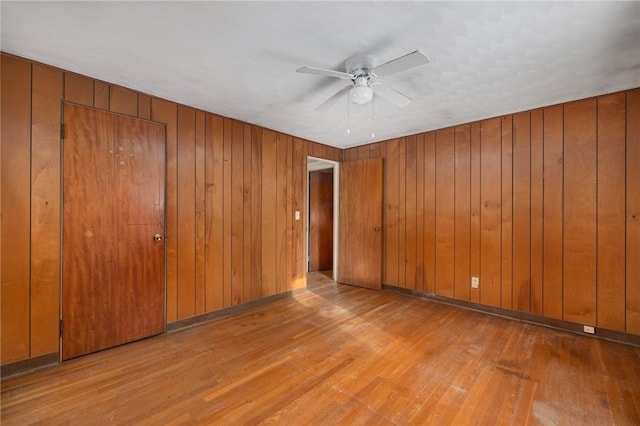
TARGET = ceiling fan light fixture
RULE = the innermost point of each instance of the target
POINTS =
(361, 94)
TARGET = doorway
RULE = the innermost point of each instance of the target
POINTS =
(322, 214)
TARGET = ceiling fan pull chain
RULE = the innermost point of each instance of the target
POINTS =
(373, 134)
(348, 115)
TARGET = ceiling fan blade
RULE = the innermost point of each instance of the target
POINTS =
(410, 60)
(327, 73)
(326, 105)
(392, 95)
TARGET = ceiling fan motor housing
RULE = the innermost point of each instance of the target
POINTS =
(360, 65)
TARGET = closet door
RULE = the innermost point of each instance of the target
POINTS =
(113, 230)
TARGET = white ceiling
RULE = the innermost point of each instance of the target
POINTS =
(238, 59)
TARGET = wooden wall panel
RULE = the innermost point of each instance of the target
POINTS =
(507, 213)
(45, 208)
(16, 191)
(579, 249)
(167, 112)
(462, 225)
(611, 207)
(123, 101)
(290, 221)
(214, 228)
(402, 213)
(445, 212)
(430, 212)
(552, 212)
(537, 215)
(632, 301)
(227, 233)
(391, 209)
(269, 210)
(200, 211)
(186, 214)
(256, 213)
(419, 212)
(522, 211)
(281, 212)
(237, 214)
(299, 169)
(411, 221)
(77, 88)
(101, 95)
(144, 106)
(491, 194)
(246, 213)
(475, 207)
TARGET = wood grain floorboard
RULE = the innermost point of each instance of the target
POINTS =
(341, 355)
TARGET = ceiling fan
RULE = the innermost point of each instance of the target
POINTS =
(364, 75)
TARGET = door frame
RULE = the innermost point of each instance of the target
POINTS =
(314, 164)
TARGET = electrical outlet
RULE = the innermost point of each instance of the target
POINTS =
(589, 329)
(475, 282)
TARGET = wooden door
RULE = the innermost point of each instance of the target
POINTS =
(113, 205)
(321, 220)
(360, 223)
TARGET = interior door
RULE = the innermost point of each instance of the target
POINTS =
(113, 207)
(360, 223)
(321, 220)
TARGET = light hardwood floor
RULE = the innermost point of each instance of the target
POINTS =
(341, 355)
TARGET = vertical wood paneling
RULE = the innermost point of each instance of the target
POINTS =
(269, 250)
(214, 226)
(411, 222)
(391, 208)
(611, 207)
(552, 212)
(281, 212)
(419, 212)
(507, 212)
(16, 191)
(200, 211)
(45, 208)
(186, 227)
(206, 180)
(167, 112)
(462, 247)
(430, 212)
(227, 210)
(402, 213)
(246, 226)
(521, 211)
(123, 101)
(101, 95)
(537, 215)
(237, 213)
(445, 212)
(491, 194)
(256, 213)
(475, 208)
(77, 88)
(633, 213)
(579, 255)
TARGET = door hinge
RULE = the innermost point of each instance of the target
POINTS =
(61, 130)
(60, 328)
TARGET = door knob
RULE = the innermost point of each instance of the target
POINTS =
(157, 237)
(377, 229)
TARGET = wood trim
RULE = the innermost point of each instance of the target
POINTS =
(572, 327)
(29, 365)
(230, 311)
